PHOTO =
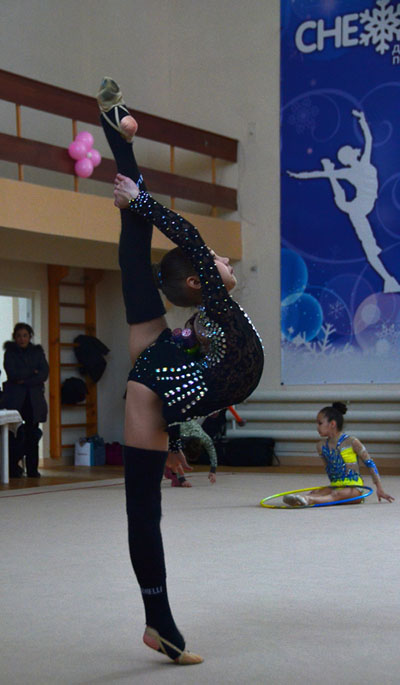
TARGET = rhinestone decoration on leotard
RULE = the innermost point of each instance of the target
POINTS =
(229, 363)
(216, 338)
(188, 385)
(335, 467)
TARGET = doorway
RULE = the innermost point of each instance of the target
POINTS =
(13, 308)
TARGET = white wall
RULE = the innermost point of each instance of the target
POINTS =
(113, 332)
(6, 327)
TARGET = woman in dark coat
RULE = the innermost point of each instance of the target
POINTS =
(27, 370)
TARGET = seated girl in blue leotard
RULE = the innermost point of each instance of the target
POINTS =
(340, 453)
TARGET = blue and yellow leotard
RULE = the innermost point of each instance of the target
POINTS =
(341, 464)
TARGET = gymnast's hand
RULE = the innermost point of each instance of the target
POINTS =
(357, 114)
(176, 460)
(381, 494)
(124, 190)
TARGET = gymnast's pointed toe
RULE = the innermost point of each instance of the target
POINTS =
(114, 111)
(109, 94)
(189, 659)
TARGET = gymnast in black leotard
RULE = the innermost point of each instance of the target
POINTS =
(167, 385)
(230, 356)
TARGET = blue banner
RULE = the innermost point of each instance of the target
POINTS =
(340, 191)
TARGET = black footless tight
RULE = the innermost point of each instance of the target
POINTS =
(141, 297)
(143, 473)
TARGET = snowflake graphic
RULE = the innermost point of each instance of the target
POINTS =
(388, 332)
(336, 309)
(382, 26)
(319, 347)
(303, 115)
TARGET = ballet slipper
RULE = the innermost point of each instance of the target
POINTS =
(296, 500)
(109, 97)
(153, 639)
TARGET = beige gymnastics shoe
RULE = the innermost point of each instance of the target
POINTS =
(114, 110)
(295, 501)
(153, 639)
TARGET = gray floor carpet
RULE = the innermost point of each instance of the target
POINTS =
(266, 596)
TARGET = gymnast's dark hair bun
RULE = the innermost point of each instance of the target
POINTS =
(340, 406)
(157, 275)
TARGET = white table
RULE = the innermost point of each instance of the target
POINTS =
(10, 420)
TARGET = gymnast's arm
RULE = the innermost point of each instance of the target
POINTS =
(187, 237)
(319, 450)
(341, 174)
(362, 453)
(208, 445)
(366, 155)
(308, 174)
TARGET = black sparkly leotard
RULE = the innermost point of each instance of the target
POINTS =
(229, 367)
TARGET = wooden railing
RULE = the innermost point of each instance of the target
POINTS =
(26, 92)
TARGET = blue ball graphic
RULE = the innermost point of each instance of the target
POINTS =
(304, 317)
(294, 276)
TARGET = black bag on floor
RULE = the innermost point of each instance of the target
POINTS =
(248, 452)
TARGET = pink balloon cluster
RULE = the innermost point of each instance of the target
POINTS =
(81, 149)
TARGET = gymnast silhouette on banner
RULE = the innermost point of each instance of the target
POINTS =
(358, 170)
